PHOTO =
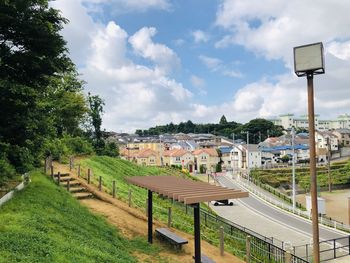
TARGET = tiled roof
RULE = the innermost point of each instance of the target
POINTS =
(175, 153)
(209, 151)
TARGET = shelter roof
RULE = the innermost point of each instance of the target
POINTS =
(185, 190)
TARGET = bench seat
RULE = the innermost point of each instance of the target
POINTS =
(165, 233)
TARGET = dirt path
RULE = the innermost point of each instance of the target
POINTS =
(132, 223)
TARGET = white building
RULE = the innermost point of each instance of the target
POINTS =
(289, 120)
(239, 154)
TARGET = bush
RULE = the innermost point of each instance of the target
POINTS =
(202, 169)
(218, 168)
(7, 171)
(78, 145)
(110, 149)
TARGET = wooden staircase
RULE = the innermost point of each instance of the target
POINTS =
(75, 187)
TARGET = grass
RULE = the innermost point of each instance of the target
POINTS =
(115, 169)
(44, 223)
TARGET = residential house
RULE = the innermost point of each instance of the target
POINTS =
(146, 157)
(207, 158)
(226, 157)
(239, 154)
(343, 136)
(179, 157)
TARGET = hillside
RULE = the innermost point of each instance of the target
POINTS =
(44, 223)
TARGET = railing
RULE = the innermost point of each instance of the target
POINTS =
(262, 248)
(329, 249)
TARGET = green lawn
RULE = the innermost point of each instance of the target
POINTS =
(44, 223)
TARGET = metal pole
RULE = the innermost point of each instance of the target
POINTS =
(293, 168)
(349, 216)
(314, 210)
(329, 165)
(150, 217)
(248, 156)
(197, 233)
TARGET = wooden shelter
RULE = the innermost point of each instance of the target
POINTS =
(186, 191)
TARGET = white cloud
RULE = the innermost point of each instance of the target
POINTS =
(271, 29)
(340, 50)
(210, 62)
(199, 84)
(127, 5)
(217, 65)
(200, 36)
(143, 45)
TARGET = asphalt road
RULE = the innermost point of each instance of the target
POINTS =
(283, 218)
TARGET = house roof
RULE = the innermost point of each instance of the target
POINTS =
(175, 153)
(209, 151)
(224, 150)
(145, 153)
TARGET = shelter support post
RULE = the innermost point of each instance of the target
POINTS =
(197, 233)
(150, 217)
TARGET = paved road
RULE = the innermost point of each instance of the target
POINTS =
(279, 216)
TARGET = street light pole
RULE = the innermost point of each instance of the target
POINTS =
(314, 210)
(309, 61)
(293, 166)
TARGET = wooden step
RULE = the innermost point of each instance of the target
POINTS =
(62, 175)
(73, 183)
(77, 190)
(65, 179)
(83, 195)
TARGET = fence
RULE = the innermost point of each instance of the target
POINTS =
(262, 248)
(329, 249)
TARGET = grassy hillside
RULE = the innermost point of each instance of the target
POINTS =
(115, 169)
(44, 223)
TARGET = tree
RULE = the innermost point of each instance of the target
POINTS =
(96, 110)
(32, 55)
(223, 120)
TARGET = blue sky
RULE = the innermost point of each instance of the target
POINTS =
(156, 61)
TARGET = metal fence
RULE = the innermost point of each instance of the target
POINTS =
(329, 249)
(262, 249)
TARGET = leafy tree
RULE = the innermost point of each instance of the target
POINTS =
(223, 120)
(96, 110)
(33, 60)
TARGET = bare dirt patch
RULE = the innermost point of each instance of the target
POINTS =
(336, 204)
(133, 223)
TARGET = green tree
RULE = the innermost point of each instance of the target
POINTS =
(96, 110)
(223, 120)
(32, 55)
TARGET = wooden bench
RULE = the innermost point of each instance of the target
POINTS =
(171, 237)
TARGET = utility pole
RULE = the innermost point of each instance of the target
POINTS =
(233, 156)
(329, 153)
(293, 166)
(247, 156)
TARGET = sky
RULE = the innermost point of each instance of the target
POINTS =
(160, 61)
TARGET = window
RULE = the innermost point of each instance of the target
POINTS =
(177, 159)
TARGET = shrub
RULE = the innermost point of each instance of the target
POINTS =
(218, 168)
(202, 169)
(7, 171)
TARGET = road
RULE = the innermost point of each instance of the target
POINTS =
(278, 223)
(284, 218)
